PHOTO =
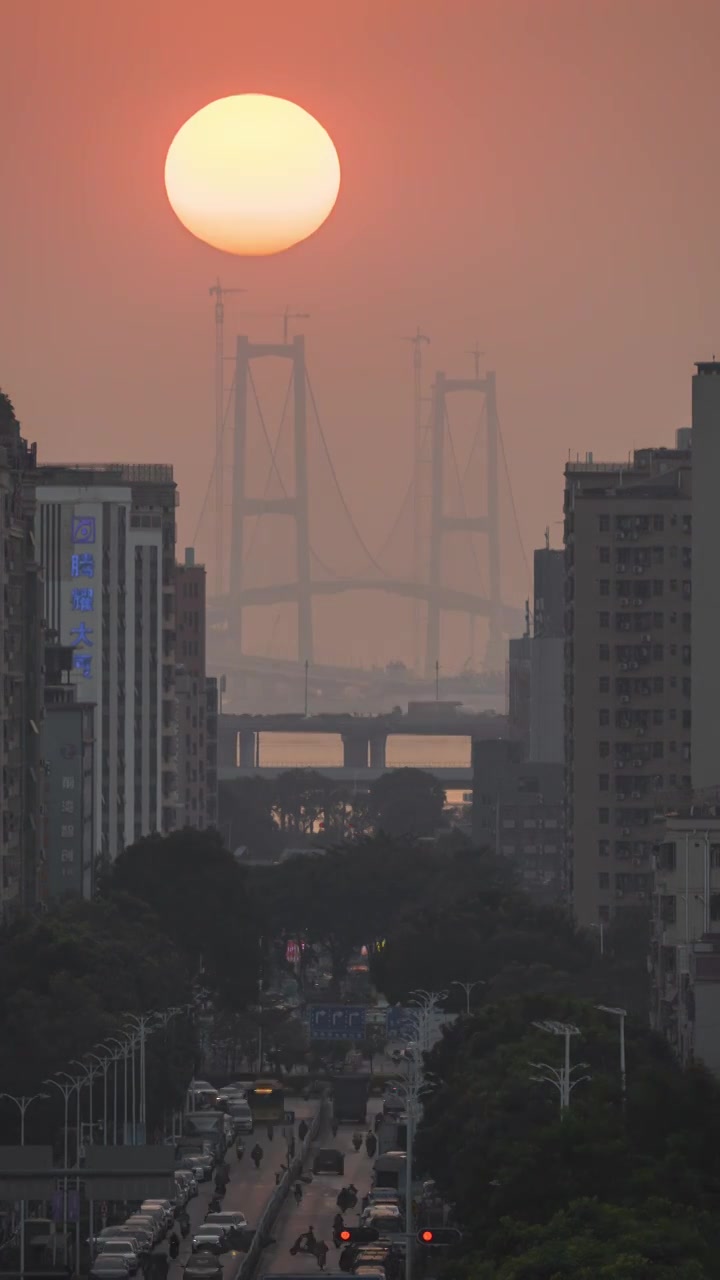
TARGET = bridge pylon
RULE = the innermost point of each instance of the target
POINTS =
(441, 523)
(295, 504)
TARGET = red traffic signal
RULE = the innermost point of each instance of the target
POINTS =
(358, 1235)
(439, 1235)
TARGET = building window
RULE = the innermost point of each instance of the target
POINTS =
(603, 619)
(603, 817)
(603, 749)
(604, 782)
(603, 880)
(658, 523)
(604, 652)
(604, 586)
(668, 908)
(603, 524)
(604, 684)
(604, 848)
(604, 555)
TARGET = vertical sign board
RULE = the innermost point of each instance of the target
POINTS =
(401, 1024)
(66, 809)
(81, 561)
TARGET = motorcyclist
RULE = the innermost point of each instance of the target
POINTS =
(298, 1192)
(240, 1149)
(310, 1240)
(256, 1155)
(357, 1141)
(338, 1226)
(352, 1193)
(370, 1143)
(343, 1200)
(321, 1253)
(174, 1246)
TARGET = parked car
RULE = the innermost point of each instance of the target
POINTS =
(165, 1207)
(200, 1164)
(123, 1249)
(213, 1239)
(138, 1235)
(329, 1161)
(110, 1267)
(152, 1222)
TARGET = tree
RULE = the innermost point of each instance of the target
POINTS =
(246, 814)
(493, 1138)
(68, 977)
(655, 1240)
(200, 896)
(406, 802)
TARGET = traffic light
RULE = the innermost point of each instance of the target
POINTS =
(358, 1235)
(439, 1235)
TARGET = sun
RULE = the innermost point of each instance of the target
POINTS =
(252, 174)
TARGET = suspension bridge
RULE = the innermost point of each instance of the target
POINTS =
(265, 554)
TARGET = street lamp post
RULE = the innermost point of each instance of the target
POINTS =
(66, 1090)
(123, 1051)
(622, 1015)
(114, 1055)
(104, 1064)
(559, 1080)
(142, 1026)
(567, 1030)
(22, 1103)
(468, 988)
(91, 1071)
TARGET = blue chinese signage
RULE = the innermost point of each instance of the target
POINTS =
(337, 1022)
(82, 596)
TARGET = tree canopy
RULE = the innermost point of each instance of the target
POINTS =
(493, 1138)
(200, 896)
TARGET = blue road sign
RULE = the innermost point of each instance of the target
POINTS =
(337, 1022)
(400, 1024)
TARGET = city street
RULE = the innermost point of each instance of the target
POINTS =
(317, 1207)
(249, 1189)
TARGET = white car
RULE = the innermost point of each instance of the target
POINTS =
(118, 1248)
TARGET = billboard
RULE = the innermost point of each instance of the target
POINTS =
(337, 1022)
(401, 1023)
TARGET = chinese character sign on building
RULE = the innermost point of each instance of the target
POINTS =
(82, 594)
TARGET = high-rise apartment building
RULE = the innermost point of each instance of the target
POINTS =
(21, 689)
(628, 564)
(196, 701)
(105, 535)
(547, 658)
(69, 770)
(706, 579)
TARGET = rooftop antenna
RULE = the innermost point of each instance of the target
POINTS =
(220, 294)
(421, 466)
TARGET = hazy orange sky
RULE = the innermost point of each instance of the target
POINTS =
(537, 174)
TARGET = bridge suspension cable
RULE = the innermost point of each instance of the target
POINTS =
(216, 464)
(336, 482)
(512, 503)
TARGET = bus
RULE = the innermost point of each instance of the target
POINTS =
(266, 1099)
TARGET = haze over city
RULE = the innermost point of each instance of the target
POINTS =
(530, 177)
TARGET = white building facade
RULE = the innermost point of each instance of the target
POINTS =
(105, 537)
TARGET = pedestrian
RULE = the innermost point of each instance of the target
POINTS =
(270, 1132)
(291, 1147)
(302, 1131)
(357, 1141)
(370, 1143)
(334, 1126)
(321, 1253)
(298, 1192)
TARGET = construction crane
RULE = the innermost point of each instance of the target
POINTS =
(219, 293)
(421, 467)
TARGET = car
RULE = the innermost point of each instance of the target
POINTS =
(123, 1249)
(203, 1266)
(384, 1220)
(110, 1267)
(136, 1235)
(148, 1222)
(383, 1195)
(377, 1273)
(329, 1160)
(199, 1164)
(165, 1207)
(212, 1238)
(235, 1224)
(241, 1117)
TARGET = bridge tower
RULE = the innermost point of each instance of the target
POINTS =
(294, 504)
(440, 523)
